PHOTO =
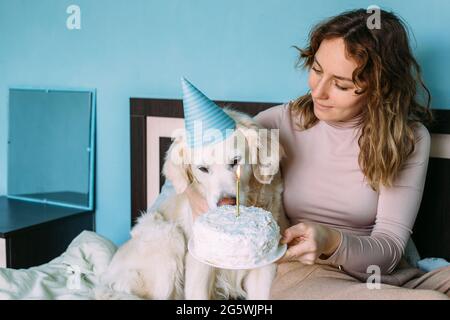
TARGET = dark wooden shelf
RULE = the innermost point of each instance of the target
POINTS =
(35, 233)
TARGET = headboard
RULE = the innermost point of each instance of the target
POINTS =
(153, 120)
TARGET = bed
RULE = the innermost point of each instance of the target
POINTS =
(76, 273)
(153, 120)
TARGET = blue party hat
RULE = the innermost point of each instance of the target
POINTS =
(205, 122)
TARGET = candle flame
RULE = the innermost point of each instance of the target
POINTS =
(238, 171)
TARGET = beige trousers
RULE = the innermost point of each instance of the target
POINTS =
(297, 281)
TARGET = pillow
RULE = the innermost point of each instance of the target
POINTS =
(430, 264)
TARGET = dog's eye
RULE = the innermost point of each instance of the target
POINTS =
(235, 161)
(203, 169)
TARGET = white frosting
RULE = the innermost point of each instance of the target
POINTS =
(223, 238)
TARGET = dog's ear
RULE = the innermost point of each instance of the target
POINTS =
(175, 167)
(265, 152)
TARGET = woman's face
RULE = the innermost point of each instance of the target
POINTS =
(332, 89)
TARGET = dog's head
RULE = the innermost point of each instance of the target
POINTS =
(213, 168)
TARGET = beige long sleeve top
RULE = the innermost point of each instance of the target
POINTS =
(323, 183)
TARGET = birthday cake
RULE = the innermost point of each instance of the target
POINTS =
(223, 238)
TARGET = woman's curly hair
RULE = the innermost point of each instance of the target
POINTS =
(388, 72)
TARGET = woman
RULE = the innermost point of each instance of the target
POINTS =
(357, 156)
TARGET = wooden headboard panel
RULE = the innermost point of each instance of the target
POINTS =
(152, 123)
(153, 120)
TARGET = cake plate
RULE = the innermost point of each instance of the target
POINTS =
(274, 256)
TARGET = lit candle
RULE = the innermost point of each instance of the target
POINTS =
(238, 178)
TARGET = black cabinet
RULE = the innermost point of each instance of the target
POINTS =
(35, 233)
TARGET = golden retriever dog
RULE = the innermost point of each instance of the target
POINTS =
(155, 262)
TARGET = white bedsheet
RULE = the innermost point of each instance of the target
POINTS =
(73, 275)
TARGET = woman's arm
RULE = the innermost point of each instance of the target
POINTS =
(396, 213)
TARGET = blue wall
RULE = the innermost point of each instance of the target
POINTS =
(231, 49)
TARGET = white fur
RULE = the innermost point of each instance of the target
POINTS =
(155, 264)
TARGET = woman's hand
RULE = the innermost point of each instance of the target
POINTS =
(308, 241)
(198, 203)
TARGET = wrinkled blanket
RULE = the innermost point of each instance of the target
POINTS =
(72, 275)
